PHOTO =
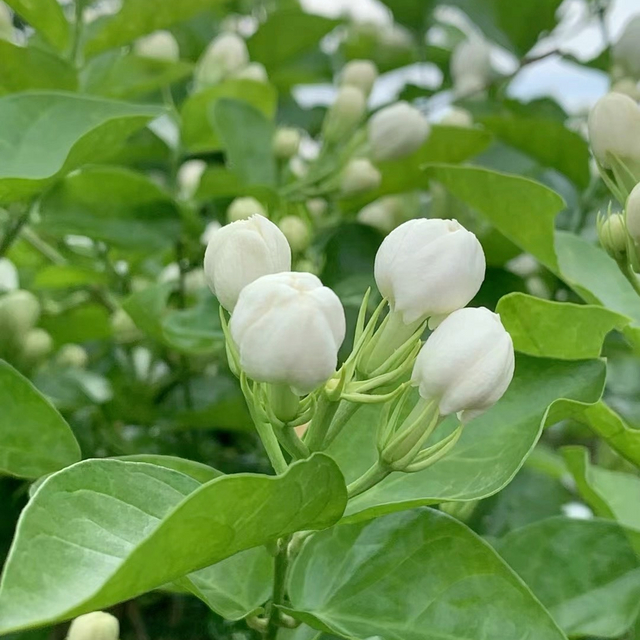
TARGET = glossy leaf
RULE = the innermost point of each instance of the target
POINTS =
(418, 575)
(246, 136)
(196, 470)
(519, 208)
(116, 205)
(584, 571)
(147, 308)
(557, 329)
(34, 437)
(47, 17)
(198, 134)
(28, 68)
(491, 450)
(196, 330)
(155, 524)
(45, 135)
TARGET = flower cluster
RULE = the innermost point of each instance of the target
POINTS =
(286, 329)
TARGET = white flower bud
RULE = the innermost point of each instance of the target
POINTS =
(383, 214)
(296, 232)
(160, 45)
(124, 328)
(225, 56)
(19, 312)
(344, 115)
(253, 71)
(240, 253)
(359, 176)
(305, 325)
(317, 207)
(208, 232)
(8, 275)
(397, 131)
(72, 355)
(632, 214)
(614, 128)
(94, 626)
(361, 74)
(243, 208)
(286, 142)
(627, 87)
(613, 236)
(189, 176)
(36, 346)
(457, 117)
(6, 23)
(626, 52)
(466, 364)
(471, 65)
(427, 268)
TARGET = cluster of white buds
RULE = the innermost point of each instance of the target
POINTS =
(286, 329)
(471, 66)
(226, 56)
(94, 626)
(160, 45)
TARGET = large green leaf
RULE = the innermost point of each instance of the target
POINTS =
(139, 17)
(34, 437)
(419, 575)
(47, 17)
(521, 209)
(198, 134)
(112, 204)
(246, 136)
(548, 141)
(236, 587)
(584, 571)
(123, 76)
(557, 329)
(196, 470)
(44, 135)
(103, 531)
(196, 330)
(491, 450)
(285, 35)
(25, 68)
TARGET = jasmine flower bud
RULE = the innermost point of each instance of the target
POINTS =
(286, 142)
(361, 74)
(160, 45)
(243, 208)
(94, 626)
(397, 131)
(225, 56)
(344, 115)
(296, 232)
(359, 176)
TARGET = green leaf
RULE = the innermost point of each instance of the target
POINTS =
(45, 135)
(611, 494)
(25, 68)
(521, 209)
(124, 76)
(236, 587)
(147, 308)
(137, 18)
(418, 575)
(548, 141)
(196, 330)
(113, 204)
(198, 134)
(557, 329)
(584, 572)
(45, 16)
(285, 35)
(78, 324)
(196, 470)
(65, 276)
(104, 531)
(34, 437)
(246, 136)
(491, 450)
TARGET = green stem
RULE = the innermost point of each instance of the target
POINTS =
(629, 274)
(290, 441)
(368, 479)
(14, 231)
(279, 588)
(345, 412)
(321, 422)
(272, 446)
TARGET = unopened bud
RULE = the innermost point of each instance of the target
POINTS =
(243, 208)
(94, 626)
(471, 65)
(37, 345)
(296, 232)
(457, 117)
(19, 312)
(344, 115)
(397, 131)
(317, 207)
(612, 233)
(383, 214)
(124, 328)
(72, 355)
(359, 176)
(632, 215)
(627, 87)
(189, 176)
(160, 45)
(225, 56)
(253, 71)
(626, 51)
(8, 275)
(361, 74)
(286, 142)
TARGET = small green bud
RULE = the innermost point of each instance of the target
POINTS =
(37, 345)
(286, 142)
(359, 176)
(243, 208)
(361, 74)
(612, 232)
(94, 626)
(72, 355)
(317, 208)
(296, 232)
(124, 328)
(19, 312)
(344, 115)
